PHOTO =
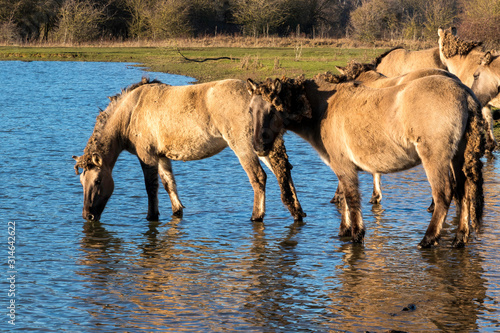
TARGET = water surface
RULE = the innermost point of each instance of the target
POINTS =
(214, 270)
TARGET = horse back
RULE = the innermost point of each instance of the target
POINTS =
(401, 61)
(186, 122)
(380, 129)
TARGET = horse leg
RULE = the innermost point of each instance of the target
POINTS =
(337, 198)
(461, 199)
(257, 176)
(278, 163)
(377, 189)
(151, 181)
(439, 178)
(491, 143)
(351, 213)
(168, 181)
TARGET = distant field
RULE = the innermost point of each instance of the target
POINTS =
(257, 63)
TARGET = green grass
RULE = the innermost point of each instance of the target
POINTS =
(256, 63)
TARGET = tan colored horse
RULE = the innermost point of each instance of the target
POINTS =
(467, 60)
(433, 121)
(366, 74)
(160, 123)
(399, 61)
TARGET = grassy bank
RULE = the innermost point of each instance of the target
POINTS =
(254, 62)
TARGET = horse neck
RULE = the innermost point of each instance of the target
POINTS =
(109, 140)
(317, 94)
(464, 66)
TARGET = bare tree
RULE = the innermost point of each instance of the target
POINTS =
(258, 16)
(79, 21)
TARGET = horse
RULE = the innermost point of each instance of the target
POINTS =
(159, 123)
(398, 61)
(367, 74)
(434, 121)
(468, 60)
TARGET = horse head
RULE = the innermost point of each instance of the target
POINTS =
(97, 182)
(486, 84)
(275, 104)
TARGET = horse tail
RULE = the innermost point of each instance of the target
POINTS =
(473, 167)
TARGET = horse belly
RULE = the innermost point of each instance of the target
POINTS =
(191, 150)
(389, 159)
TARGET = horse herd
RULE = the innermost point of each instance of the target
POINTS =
(405, 108)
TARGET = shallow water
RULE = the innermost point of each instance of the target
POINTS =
(214, 270)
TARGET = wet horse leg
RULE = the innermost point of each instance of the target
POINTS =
(438, 175)
(461, 197)
(491, 143)
(151, 182)
(278, 163)
(352, 220)
(377, 189)
(168, 180)
(250, 163)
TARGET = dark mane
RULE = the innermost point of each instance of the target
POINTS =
(94, 144)
(452, 45)
(378, 59)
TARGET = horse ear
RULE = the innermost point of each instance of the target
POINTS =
(486, 59)
(97, 160)
(77, 159)
(341, 70)
(251, 86)
(277, 86)
(440, 32)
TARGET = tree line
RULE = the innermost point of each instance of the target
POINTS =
(77, 21)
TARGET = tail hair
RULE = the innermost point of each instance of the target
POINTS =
(473, 166)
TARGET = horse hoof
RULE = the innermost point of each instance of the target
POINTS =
(257, 219)
(428, 243)
(178, 213)
(153, 217)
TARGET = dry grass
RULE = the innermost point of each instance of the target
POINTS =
(240, 41)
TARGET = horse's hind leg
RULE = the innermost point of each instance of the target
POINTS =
(460, 192)
(352, 220)
(151, 181)
(439, 178)
(168, 180)
(278, 160)
(377, 189)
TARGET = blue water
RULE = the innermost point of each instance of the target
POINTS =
(214, 270)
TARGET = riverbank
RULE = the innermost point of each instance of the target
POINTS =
(207, 63)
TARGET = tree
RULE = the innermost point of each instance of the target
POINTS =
(258, 16)
(480, 20)
(79, 21)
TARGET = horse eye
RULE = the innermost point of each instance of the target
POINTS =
(476, 75)
(98, 182)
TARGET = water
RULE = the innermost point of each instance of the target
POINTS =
(214, 270)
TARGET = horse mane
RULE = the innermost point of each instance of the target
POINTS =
(290, 97)
(94, 144)
(452, 45)
(378, 59)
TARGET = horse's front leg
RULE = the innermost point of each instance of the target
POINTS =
(168, 181)
(278, 160)
(491, 142)
(250, 163)
(151, 181)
